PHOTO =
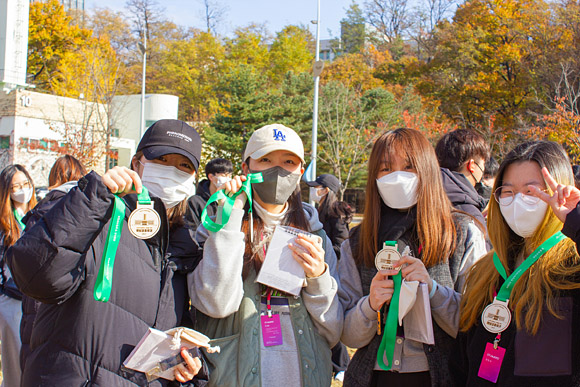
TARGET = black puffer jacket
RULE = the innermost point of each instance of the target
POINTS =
(76, 340)
(30, 305)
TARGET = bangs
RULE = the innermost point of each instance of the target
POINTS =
(397, 146)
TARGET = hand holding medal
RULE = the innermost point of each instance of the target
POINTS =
(144, 223)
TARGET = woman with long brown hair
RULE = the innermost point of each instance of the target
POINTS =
(520, 314)
(16, 199)
(408, 212)
(267, 337)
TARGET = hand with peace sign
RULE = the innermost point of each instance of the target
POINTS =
(564, 199)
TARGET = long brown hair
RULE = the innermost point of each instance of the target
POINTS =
(558, 269)
(435, 227)
(253, 253)
(66, 168)
(8, 223)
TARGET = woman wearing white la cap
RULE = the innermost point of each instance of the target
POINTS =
(230, 301)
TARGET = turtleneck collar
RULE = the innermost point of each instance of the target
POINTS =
(270, 220)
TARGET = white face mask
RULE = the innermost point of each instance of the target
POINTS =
(399, 189)
(315, 196)
(221, 180)
(22, 196)
(522, 216)
(168, 183)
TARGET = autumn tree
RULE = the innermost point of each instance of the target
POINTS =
(291, 50)
(114, 27)
(487, 60)
(190, 68)
(249, 45)
(348, 124)
(357, 70)
(51, 36)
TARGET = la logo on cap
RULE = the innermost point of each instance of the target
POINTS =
(278, 135)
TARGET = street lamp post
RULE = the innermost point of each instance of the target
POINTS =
(316, 72)
(143, 49)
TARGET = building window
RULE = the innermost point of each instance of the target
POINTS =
(113, 158)
(4, 142)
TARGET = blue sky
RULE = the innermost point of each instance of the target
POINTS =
(275, 13)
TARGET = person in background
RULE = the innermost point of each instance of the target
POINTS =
(16, 198)
(484, 187)
(267, 337)
(406, 205)
(462, 155)
(63, 176)
(218, 171)
(77, 340)
(520, 313)
(335, 216)
(576, 171)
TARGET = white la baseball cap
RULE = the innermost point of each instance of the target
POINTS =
(271, 138)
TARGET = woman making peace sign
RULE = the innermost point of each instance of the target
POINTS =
(520, 313)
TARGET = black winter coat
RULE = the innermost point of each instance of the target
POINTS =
(76, 340)
(337, 230)
(30, 305)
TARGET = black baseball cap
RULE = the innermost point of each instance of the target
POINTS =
(327, 180)
(171, 136)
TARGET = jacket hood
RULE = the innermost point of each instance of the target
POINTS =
(460, 191)
(203, 189)
(66, 186)
(312, 216)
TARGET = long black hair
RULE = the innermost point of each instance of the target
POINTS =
(332, 207)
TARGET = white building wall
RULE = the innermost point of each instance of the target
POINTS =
(126, 112)
(13, 42)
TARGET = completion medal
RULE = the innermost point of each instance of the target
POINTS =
(144, 222)
(496, 317)
(385, 259)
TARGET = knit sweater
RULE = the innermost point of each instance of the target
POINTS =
(360, 320)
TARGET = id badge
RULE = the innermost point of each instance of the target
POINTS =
(271, 330)
(491, 363)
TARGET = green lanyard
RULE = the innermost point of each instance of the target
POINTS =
(104, 282)
(390, 335)
(229, 202)
(506, 288)
(19, 219)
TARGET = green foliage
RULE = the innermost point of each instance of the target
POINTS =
(247, 103)
(290, 51)
(353, 32)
